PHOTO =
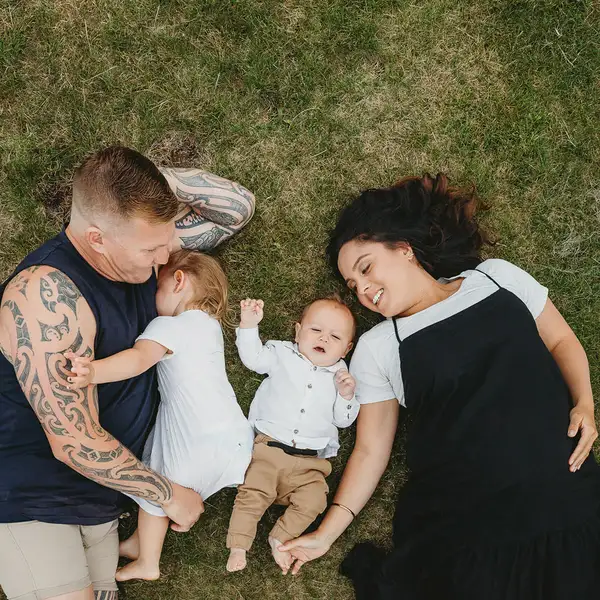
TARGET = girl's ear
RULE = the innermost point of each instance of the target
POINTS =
(180, 279)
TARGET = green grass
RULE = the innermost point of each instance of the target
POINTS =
(306, 102)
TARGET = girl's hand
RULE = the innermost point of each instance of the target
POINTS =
(251, 313)
(346, 384)
(304, 549)
(582, 420)
(82, 369)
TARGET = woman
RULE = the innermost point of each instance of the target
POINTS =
(503, 498)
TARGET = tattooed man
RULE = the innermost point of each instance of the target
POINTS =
(66, 455)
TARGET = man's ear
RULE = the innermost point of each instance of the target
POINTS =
(298, 327)
(350, 346)
(95, 238)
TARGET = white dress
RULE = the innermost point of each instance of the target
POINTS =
(201, 439)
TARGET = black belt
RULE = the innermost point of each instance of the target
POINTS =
(293, 451)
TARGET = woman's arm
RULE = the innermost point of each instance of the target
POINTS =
(118, 367)
(376, 428)
(573, 363)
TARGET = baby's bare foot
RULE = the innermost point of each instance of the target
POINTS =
(138, 570)
(283, 559)
(130, 548)
(237, 560)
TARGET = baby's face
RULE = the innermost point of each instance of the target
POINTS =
(325, 333)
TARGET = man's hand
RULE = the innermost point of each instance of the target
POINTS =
(184, 508)
(82, 371)
(251, 313)
(346, 384)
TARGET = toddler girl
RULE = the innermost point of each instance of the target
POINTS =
(201, 439)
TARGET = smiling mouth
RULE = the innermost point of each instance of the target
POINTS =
(377, 296)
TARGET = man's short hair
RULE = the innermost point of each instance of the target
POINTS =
(120, 182)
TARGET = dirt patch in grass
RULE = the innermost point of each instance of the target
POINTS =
(179, 150)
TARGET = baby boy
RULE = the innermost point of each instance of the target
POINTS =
(296, 411)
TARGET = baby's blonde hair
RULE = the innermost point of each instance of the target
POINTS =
(208, 281)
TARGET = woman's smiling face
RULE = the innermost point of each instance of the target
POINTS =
(382, 278)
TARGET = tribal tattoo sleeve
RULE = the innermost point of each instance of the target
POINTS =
(106, 595)
(43, 315)
(212, 208)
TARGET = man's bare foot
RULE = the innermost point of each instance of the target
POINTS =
(130, 548)
(237, 560)
(138, 570)
(283, 559)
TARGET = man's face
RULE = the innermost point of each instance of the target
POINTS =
(136, 247)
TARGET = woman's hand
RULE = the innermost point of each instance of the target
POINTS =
(304, 549)
(582, 420)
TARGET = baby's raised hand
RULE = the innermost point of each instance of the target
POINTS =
(251, 313)
(345, 383)
(82, 368)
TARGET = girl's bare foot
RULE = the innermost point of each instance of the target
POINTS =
(237, 560)
(283, 559)
(138, 570)
(130, 548)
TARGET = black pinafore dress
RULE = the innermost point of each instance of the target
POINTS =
(491, 510)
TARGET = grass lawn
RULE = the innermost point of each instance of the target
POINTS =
(305, 102)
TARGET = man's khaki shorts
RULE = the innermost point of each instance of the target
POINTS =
(42, 560)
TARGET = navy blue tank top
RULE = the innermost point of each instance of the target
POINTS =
(34, 485)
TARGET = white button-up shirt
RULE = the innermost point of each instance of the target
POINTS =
(298, 403)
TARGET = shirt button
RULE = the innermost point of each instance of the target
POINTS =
(349, 405)
(303, 411)
(314, 368)
(295, 431)
(309, 386)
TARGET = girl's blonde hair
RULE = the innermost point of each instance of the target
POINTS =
(208, 281)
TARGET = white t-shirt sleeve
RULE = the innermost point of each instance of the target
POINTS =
(519, 282)
(166, 332)
(372, 384)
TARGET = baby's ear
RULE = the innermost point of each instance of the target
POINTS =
(350, 346)
(180, 280)
(297, 326)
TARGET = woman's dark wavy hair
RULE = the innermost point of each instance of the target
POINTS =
(438, 221)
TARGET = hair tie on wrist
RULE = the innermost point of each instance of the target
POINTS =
(345, 508)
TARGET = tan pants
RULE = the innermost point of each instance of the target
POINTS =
(273, 476)
(43, 560)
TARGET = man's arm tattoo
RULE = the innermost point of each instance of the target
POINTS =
(69, 417)
(205, 240)
(106, 595)
(211, 208)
